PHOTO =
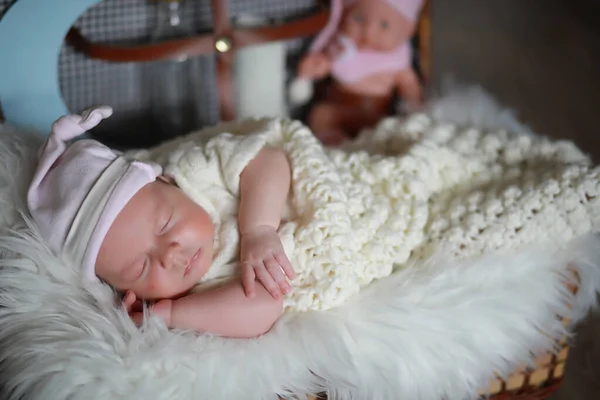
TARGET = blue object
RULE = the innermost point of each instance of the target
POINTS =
(31, 36)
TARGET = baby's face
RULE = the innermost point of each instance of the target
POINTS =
(159, 246)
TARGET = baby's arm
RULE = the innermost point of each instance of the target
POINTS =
(264, 187)
(224, 311)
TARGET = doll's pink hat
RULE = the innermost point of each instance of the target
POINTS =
(409, 8)
(78, 190)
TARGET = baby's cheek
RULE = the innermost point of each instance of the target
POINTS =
(162, 286)
(165, 286)
(156, 286)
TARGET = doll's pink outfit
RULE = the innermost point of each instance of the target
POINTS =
(353, 65)
(78, 190)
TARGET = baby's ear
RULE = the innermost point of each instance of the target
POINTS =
(166, 179)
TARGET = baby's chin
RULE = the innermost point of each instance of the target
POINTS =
(155, 295)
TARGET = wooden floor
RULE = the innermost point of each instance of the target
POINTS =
(541, 58)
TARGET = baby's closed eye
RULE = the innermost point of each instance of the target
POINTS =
(142, 269)
(165, 225)
(136, 269)
(164, 221)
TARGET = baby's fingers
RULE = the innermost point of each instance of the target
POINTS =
(277, 274)
(128, 300)
(248, 278)
(286, 265)
(267, 281)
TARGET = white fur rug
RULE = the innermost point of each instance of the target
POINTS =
(434, 331)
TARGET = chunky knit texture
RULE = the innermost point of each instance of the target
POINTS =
(494, 191)
(356, 214)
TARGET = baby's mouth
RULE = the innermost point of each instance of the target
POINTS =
(192, 261)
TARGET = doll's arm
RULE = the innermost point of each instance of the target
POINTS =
(314, 66)
(264, 188)
(224, 311)
(409, 87)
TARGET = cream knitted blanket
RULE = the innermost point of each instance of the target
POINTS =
(395, 195)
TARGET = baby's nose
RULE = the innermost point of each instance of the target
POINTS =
(173, 256)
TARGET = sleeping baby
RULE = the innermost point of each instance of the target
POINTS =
(222, 230)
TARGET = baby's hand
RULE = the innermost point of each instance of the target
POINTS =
(135, 309)
(263, 258)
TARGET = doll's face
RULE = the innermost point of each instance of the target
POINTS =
(159, 246)
(375, 25)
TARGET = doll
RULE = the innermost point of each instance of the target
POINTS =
(365, 49)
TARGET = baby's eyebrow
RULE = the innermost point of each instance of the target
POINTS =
(162, 208)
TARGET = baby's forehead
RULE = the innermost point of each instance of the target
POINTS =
(146, 202)
(157, 194)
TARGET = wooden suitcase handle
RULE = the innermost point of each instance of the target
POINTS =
(199, 44)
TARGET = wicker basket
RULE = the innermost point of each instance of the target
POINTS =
(543, 380)
(524, 384)
(529, 383)
(536, 384)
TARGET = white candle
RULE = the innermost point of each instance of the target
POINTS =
(259, 78)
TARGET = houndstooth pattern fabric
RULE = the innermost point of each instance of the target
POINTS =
(84, 81)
